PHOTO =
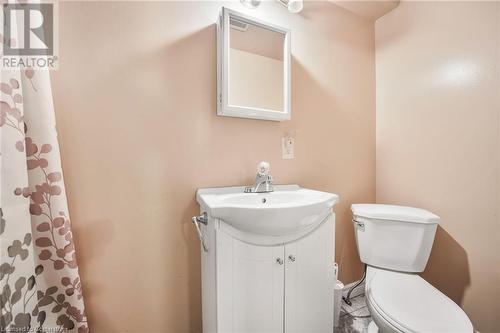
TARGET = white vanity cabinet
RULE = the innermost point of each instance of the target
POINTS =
(310, 281)
(252, 285)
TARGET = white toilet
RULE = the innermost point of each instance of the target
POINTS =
(395, 242)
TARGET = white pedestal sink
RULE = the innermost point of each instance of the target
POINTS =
(257, 241)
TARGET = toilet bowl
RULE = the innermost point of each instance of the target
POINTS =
(395, 242)
(404, 302)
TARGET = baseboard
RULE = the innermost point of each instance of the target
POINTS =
(356, 292)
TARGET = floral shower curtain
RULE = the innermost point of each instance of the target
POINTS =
(39, 283)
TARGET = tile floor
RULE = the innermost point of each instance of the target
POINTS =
(355, 318)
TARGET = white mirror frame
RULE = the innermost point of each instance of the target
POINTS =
(223, 107)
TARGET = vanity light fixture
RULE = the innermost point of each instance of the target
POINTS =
(293, 6)
(251, 3)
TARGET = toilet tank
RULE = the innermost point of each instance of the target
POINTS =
(394, 237)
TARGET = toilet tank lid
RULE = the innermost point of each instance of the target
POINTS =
(394, 213)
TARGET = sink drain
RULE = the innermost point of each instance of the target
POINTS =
(264, 200)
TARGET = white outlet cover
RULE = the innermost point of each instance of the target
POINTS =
(287, 148)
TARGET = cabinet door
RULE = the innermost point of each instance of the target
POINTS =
(309, 281)
(250, 287)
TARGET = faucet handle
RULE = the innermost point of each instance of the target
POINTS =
(263, 168)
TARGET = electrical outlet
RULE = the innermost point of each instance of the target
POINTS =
(287, 144)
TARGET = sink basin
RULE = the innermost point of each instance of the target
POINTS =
(288, 211)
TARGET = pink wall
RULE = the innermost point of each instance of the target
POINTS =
(438, 139)
(135, 106)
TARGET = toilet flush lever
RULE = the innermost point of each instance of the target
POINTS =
(359, 224)
(203, 218)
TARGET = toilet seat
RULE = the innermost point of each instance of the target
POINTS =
(410, 304)
(383, 324)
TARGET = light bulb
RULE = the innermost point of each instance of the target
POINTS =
(295, 6)
(251, 3)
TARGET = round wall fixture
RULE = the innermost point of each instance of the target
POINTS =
(251, 3)
(295, 6)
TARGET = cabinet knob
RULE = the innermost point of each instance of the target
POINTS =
(291, 258)
(279, 261)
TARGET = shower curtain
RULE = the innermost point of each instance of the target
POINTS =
(40, 287)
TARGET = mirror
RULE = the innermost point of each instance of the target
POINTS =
(253, 68)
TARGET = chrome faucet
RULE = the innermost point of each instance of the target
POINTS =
(263, 180)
